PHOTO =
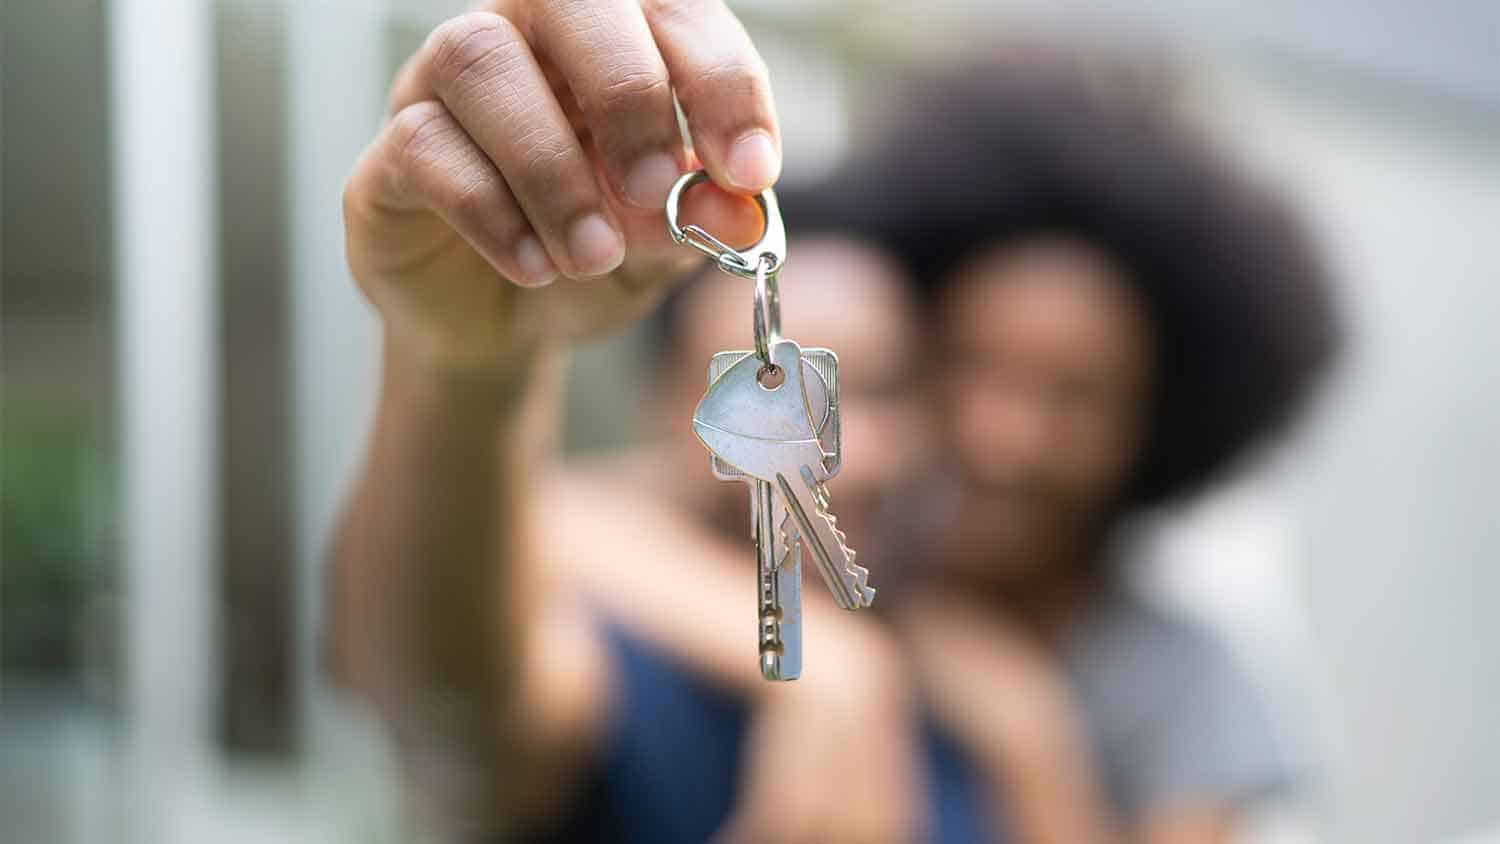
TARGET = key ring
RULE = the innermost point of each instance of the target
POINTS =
(767, 317)
(745, 263)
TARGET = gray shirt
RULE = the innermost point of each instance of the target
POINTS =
(1172, 715)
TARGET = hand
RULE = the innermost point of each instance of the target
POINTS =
(833, 758)
(986, 679)
(1002, 695)
(538, 139)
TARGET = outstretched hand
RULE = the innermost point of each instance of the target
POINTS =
(536, 141)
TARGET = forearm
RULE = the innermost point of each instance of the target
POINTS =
(1003, 695)
(1049, 789)
(428, 610)
(1051, 793)
(683, 587)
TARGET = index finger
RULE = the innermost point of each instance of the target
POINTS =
(724, 89)
(605, 51)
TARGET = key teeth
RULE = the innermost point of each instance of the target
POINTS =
(856, 572)
(859, 573)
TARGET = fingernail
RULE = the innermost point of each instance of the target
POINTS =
(534, 263)
(650, 180)
(596, 248)
(753, 163)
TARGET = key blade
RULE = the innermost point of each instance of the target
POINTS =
(784, 663)
(789, 591)
(769, 604)
(847, 580)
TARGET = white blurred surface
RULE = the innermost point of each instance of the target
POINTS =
(162, 70)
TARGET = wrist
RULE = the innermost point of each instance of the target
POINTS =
(1042, 733)
(464, 383)
(451, 361)
(1049, 778)
(471, 353)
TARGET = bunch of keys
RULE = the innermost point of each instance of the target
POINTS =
(770, 418)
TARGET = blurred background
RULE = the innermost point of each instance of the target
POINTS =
(187, 373)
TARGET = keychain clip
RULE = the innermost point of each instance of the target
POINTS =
(741, 262)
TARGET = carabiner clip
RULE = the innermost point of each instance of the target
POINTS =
(740, 262)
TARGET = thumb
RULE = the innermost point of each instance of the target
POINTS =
(734, 219)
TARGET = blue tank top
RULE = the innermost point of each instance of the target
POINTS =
(668, 772)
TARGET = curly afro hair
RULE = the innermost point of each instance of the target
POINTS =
(1052, 141)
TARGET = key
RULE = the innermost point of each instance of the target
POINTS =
(779, 608)
(766, 430)
(820, 377)
(780, 436)
(780, 601)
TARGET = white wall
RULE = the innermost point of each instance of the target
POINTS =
(1385, 513)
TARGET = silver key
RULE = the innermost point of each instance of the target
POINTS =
(820, 377)
(779, 610)
(782, 439)
(769, 434)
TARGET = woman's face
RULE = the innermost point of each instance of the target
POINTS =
(1047, 376)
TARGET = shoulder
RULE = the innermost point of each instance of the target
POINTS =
(1132, 642)
(1175, 708)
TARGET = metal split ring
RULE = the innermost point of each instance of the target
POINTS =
(767, 317)
(744, 263)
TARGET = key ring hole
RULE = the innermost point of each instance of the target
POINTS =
(770, 377)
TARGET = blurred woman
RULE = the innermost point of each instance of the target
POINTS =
(1120, 315)
(1115, 316)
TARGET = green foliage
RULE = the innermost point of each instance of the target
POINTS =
(55, 513)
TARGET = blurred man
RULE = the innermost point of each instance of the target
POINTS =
(677, 589)
(1111, 301)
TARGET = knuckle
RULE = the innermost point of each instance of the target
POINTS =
(739, 73)
(550, 181)
(547, 161)
(419, 131)
(629, 88)
(357, 186)
(474, 199)
(672, 10)
(741, 78)
(477, 43)
(352, 200)
(367, 189)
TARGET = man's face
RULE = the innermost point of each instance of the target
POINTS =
(847, 297)
(1045, 384)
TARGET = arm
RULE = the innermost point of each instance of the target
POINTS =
(476, 195)
(1002, 695)
(831, 757)
(432, 614)
(684, 587)
(1051, 787)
